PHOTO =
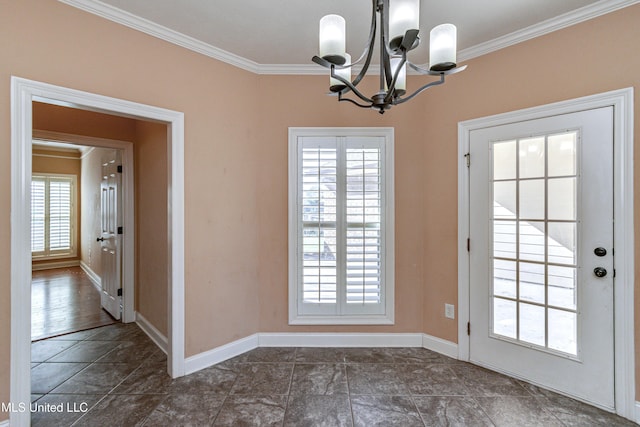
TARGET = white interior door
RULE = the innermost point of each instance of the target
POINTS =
(541, 258)
(110, 238)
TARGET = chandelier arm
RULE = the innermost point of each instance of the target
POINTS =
(436, 73)
(385, 54)
(369, 49)
(419, 91)
(392, 85)
(340, 98)
(350, 86)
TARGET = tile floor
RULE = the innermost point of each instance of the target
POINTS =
(115, 376)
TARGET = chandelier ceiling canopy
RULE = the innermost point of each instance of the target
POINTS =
(398, 33)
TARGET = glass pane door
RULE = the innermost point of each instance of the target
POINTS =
(534, 231)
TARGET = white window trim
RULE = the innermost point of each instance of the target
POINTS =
(48, 254)
(388, 315)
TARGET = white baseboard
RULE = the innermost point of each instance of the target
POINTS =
(439, 345)
(54, 264)
(95, 279)
(4, 423)
(156, 336)
(267, 339)
(220, 354)
(637, 420)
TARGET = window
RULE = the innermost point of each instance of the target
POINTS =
(341, 256)
(53, 216)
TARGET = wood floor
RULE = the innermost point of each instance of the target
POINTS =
(64, 300)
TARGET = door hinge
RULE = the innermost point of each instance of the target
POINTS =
(120, 292)
(468, 157)
(468, 328)
(614, 272)
(468, 245)
(120, 230)
(119, 168)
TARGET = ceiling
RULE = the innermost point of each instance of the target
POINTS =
(279, 35)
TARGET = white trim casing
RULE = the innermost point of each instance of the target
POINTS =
(54, 264)
(439, 345)
(161, 32)
(23, 92)
(565, 20)
(340, 340)
(386, 312)
(95, 279)
(637, 420)
(274, 339)
(130, 20)
(622, 101)
(152, 332)
(220, 354)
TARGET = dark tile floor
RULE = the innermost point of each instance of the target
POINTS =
(115, 376)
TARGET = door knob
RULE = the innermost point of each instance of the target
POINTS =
(600, 251)
(600, 272)
(100, 239)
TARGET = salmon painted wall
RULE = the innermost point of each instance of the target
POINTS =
(51, 42)
(308, 106)
(150, 154)
(60, 162)
(236, 154)
(596, 56)
(562, 65)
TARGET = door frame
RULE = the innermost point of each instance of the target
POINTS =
(622, 102)
(23, 93)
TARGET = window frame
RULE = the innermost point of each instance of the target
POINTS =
(386, 314)
(72, 252)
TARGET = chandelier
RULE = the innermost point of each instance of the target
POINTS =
(398, 22)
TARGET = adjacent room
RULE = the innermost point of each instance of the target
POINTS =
(394, 213)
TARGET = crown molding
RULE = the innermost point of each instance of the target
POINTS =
(130, 20)
(545, 27)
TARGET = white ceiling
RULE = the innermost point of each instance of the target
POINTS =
(280, 35)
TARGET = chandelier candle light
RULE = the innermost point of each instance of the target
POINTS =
(399, 28)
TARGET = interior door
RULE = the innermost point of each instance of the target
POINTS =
(110, 239)
(541, 258)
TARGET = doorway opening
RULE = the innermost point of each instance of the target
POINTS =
(66, 224)
(24, 93)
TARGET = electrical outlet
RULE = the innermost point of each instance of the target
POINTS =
(450, 311)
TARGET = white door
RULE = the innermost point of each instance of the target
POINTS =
(110, 238)
(541, 258)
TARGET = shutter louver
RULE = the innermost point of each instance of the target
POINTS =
(363, 217)
(319, 232)
(38, 206)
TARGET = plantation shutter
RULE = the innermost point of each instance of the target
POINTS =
(363, 225)
(319, 226)
(59, 214)
(340, 219)
(52, 216)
